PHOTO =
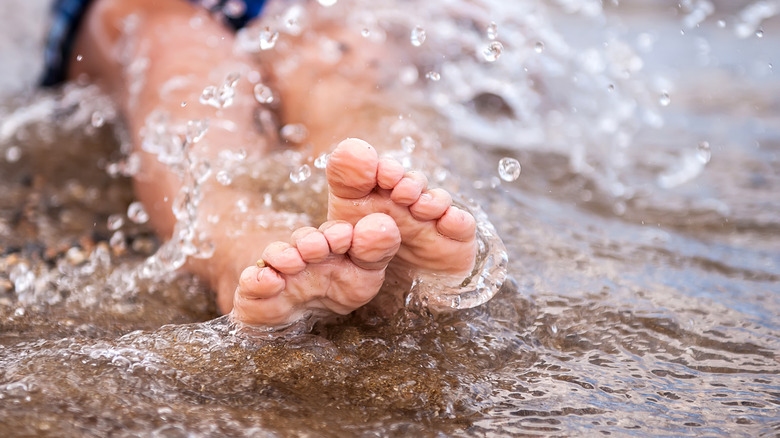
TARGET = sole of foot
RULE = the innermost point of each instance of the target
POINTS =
(436, 237)
(337, 267)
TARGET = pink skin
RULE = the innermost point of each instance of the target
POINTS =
(336, 267)
(400, 226)
(436, 237)
(399, 223)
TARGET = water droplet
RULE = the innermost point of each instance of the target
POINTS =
(79, 58)
(703, 152)
(13, 154)
(492, 30)
(224, 178)
(539, 47)
(225, 95)
(263, 94)
(327, 3)
(115, 222)
(432, 75)
(294, 132)
(759, 33)
(232, 79)
(206, 249)
(509, 169)
(300, 174)
(209, 95)
(196, 129)
(493, 51)
(365, 33)
(268, 39)
(322, 161)
(137, 213)
(117, 242)
(664, 100)
(183, 103)
(234, 8)
(97, 119)
(418, 36)
(721, 23)
(407, 144)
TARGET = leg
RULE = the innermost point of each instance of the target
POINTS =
(148, 55)
(343, 100)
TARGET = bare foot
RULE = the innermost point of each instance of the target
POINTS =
(436, 237)
(336, 267)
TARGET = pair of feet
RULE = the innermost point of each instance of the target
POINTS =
(382, 222)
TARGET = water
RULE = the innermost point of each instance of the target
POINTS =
(643, 246)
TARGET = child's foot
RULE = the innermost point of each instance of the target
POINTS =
(436, 237)
(336, 267)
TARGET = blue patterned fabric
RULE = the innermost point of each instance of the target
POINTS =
(67, 16)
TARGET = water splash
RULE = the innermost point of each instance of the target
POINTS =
(509, 169)
(418, 36)
(492, 31)
(137, 213)
(300, 174)
(263, 94)
(493, 51)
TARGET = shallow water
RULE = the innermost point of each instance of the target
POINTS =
(643, 293)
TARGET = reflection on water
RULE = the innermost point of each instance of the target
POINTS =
(643, 298)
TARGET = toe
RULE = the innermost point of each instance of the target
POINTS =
(432, 204)
(408, 190)
(389, 173)
(351, 169)
(338, 234)
(311, 244)
(283, 257)
(375, 241)
(259, 283)
(457, 225)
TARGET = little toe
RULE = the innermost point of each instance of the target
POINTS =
(389, 173)
(352, 168)
(311, 244)
(408, 190)
(375, 241)
(283, 257)
(432, 204)
(338, 234)
(457, 225)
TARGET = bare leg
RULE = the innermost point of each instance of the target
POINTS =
(134, 48)
(349, 99)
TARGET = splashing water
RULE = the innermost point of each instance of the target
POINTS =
(493, 51)
(509, 169)
(418, 36)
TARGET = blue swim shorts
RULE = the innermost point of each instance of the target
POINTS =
(67, 16)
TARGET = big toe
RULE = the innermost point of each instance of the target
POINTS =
(352, 169)
(375, 241)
